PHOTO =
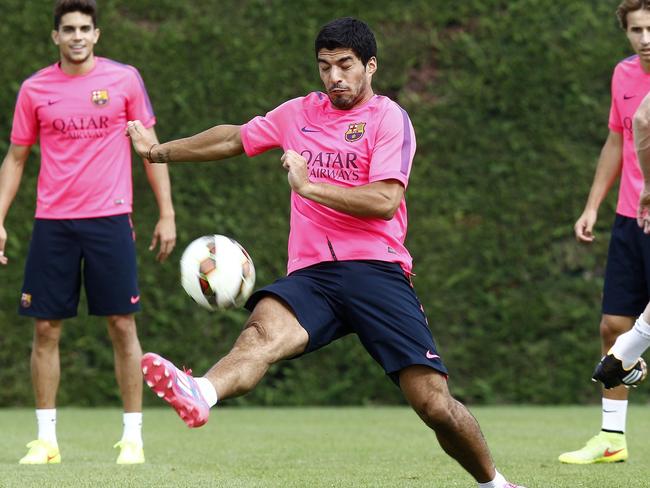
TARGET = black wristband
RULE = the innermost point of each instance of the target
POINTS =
(149, 152)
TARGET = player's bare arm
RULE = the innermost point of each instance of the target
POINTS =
(11, 173)
(641, 127)
(164, 233)
(377, 199)
(607, 171)
(219, 142)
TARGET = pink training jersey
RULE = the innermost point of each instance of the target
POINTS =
(85, 156)
(346, 148)
(630, 84)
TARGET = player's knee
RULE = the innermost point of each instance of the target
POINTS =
(266, 341)
(610, 329)
(255, 337)
(435, 410)
(122, 327)
(47, 333)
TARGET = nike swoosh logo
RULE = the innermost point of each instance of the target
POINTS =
(49, 458)
(609, 411)
(52, 102)
(627, 97)
(609, 453)
(430, 355)
(306, 129)
(135, 300)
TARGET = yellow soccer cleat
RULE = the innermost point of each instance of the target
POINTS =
(130, 453)
(41, 452)
(605, 447)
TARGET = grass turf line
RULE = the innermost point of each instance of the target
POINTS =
(317, 447)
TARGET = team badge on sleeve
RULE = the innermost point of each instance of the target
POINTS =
(355, 132)
(99, 97)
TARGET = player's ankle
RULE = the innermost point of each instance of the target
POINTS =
(207, 390)
(498, 482)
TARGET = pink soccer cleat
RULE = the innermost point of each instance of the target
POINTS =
(176, 387)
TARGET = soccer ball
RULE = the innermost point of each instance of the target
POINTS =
(217, 272)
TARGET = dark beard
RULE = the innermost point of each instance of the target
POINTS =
(342, 103)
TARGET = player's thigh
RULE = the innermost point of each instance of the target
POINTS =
(627, 275)
(386, 314)
(110, 267)
(273, 330)
(52, 271)
(313, 296)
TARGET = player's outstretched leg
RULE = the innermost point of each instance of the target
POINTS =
(611, 373)
(457, 430)
(272, 333)
(176, 387)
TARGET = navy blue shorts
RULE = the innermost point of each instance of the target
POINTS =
(627, 277)
(100, 251)
(373, 299)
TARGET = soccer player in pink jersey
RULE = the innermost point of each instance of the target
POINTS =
(348, 155)
(76, 110)
(627, 277)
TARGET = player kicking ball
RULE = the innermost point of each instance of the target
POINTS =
(348, 155)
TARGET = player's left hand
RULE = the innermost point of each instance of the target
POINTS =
(141, 138)
(3, 240)
(165, 234)
(296, 166)
(643, 212)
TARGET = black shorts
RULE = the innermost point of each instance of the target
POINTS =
(373, 299)
(627, 276)
(101, 251)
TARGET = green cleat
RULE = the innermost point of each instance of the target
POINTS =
(605, 447)
(41, 452)
(130, 453)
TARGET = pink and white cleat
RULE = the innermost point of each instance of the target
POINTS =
(176, 387)
(512, 485)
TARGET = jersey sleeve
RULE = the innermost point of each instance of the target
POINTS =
(263, 133)
(24, 130)
(139, 106)
(394, 149)
(614, 124)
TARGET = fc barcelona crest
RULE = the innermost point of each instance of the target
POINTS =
(26, 300)
(355, 132)
(99, 97)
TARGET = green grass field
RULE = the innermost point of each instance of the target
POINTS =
(317, 447)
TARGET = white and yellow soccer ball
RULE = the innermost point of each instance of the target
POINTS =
(217, 272)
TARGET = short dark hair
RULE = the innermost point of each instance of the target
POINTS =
(62, 7)
(627, 6)
(348, 32)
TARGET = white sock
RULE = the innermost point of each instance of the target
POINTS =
(207, 390)
(614, 413)
(132, 427)
(498, 482)
(629, 346)
(46, 419)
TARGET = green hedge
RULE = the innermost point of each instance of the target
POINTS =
(509, 100)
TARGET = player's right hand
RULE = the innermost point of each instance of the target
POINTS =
(643, 212)
(3, 240)
(585, 226)
(141, 138)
